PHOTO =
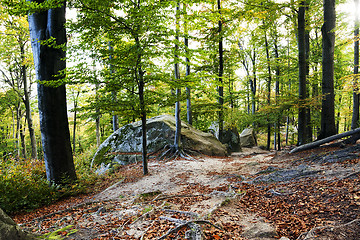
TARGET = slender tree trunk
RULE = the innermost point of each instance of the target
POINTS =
(277, 140)
(253, 84)
(97, 111)
(187, 73)
(23, 144)
(220, 75)
(328, 46)
(49, 64)
(26, 101)
(17, 133)
(177, 139)
(309, 133)
(302, 119)
(75, 115)
(143, 121)
(115, 123)
(268, 91)
(356, 95)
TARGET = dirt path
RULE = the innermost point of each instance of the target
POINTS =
(222, 198)
(206, 178)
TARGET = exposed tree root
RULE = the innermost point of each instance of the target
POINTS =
(170, 152)
(311, 234)
(189, 224)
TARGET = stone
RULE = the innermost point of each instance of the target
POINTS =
(124, 145)
(230, 137)
(247, 138)
(10, 230)
(284, 238)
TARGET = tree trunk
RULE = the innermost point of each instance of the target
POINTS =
(356, 95)
(26, 101)
(115, 124)
(269, 91)
(302, 116)
(97, 120)
(325, 140)
(22, 139)
(328, 46)
(277, 140)
(75, 118)
(220, 75)
(187, 73)
(178, 91)
(143, 122)
(49, 65)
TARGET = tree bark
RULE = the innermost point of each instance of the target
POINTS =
(356, 95)
(26, 101)
(115, 124)
(143, 122)
(75, 119)
(325, 140)
(253, 84)
(268, 90)
(178, 90)
(187, 73)
(277, 140)
(49, 65)
(302, 115)
(220, 76)
(328, 46)
(97, 120)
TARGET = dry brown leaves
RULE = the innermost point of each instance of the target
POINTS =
(297, 207)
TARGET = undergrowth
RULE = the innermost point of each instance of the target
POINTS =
(23, 183)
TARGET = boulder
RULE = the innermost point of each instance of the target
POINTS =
(124, 145)
(10, 230)
(230, 137)
(247, 137)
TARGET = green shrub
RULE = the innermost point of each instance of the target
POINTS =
(23, 185)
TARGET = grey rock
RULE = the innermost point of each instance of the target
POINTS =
(10, 230)
(247, 137)
(124, 145)
(230, 137)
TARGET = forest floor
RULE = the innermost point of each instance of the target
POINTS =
(253, 194)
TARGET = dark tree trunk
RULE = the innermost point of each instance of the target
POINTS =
(115, 124)
(178, 90)
(268, 91)
(26, 101)
(97, 120)
(302, 117)
(49, 65)
(277, 140)
(75, 119)
(356, 95)
(143, 121)
(187, 73)
(328, 46)
(253, 84)
(308, 111)
(220, 75)
(23, 144)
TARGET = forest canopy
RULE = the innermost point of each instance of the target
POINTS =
(239, 63)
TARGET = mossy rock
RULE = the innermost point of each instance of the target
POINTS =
(160, 132)
(9, 230)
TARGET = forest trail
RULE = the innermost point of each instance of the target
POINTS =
(224, 198)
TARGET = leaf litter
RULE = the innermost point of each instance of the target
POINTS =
(218, 198)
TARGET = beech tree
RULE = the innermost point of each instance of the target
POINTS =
(356, 95)
(328, 45)
(303, 123)
(48, 39)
